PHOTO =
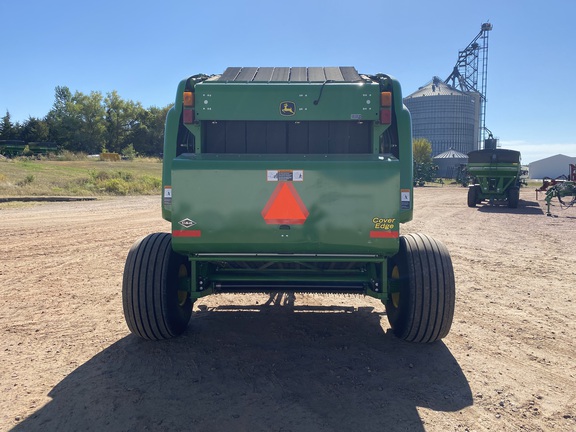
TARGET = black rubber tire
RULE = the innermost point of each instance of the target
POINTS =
(472, 196)
(513, 196)
(424, 311)
(152, 308)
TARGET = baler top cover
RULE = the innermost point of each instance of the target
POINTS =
(306, 94)
(288, 74)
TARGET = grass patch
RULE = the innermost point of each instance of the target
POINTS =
(79, 177)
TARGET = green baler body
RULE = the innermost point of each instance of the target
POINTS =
(318, 140)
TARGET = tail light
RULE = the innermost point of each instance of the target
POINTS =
(188, 99)
(386, 107)
(188, 112)
(386, 99)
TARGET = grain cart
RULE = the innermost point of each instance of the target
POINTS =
(495, 176)
(288, 180)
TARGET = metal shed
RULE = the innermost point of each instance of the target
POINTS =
(551, 167)
(449, 162)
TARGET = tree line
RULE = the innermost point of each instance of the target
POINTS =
(93, 123)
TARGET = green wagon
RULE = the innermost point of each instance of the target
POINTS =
(495, 176)
(290, 180)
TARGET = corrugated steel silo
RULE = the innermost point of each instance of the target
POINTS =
(448, 118)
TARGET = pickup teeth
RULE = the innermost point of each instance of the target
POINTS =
(292, 293)
(254, 290)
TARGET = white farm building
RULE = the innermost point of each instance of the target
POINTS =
(551, 167)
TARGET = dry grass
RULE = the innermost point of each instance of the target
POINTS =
(82, 177)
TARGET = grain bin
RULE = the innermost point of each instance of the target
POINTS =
(448, 118)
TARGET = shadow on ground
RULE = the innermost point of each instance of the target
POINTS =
(260, 368)
(524, 207)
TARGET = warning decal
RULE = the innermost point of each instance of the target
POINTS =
(167, 196)
(285, 207)
(405, 199)
(285, 175)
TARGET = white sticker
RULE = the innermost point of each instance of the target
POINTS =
(285, 175)
(405, 199)
(168, 192)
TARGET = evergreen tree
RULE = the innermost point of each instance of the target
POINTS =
(7, 129)
(35, 129)
(59, 120)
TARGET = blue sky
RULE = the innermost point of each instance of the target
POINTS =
(143, 48)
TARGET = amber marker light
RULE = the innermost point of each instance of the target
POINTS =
(188, 98)
(386, 99)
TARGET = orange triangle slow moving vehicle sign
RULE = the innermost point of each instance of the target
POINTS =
(285, 207)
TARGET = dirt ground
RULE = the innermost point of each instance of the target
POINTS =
(325, 363)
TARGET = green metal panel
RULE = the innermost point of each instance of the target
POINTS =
(495, 179)
(218, 200)
(282, 101)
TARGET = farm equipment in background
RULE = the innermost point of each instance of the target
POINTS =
(495, 175)
(425, 172)
(565, 192)
(12, 148)
(462, 176)
(288, 180)
(563, 188)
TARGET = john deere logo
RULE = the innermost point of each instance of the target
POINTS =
(287, 108)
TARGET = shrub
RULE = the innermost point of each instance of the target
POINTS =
(27, 180)
(27, 151)
(147, 184)
(124, 175)
(116, 186)
(129, 152)
(99, 175)
(67, 155)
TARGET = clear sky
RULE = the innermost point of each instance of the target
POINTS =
(142, 49)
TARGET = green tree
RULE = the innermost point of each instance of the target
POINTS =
(129, 153)
(90, 123)
(61, 123)
(8, 130)
(148, 135)
(89, 115)
(35, 129)
(422, 150)
(76, 121)
(121, 121)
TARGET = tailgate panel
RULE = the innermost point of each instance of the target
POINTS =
(230, 204)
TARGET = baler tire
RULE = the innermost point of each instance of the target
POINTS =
(472, 196)
(513, 195)
(154, 307)
(424, 309)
